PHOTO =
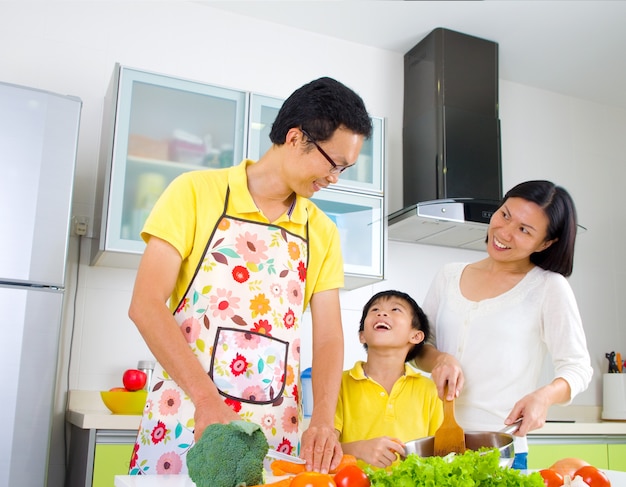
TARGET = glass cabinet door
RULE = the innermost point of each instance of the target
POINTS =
(367, 174)
(165, 126)
(263, 111)
(359, 219)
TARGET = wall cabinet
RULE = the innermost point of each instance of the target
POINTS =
(605, 451)
(359, 218)
(156, 127)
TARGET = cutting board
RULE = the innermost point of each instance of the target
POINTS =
(164, 480)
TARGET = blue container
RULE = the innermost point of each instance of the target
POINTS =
(307, 392)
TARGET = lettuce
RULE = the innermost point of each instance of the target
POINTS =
(471, 469)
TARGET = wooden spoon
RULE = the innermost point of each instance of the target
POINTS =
(450, 437)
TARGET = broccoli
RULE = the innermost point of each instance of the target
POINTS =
(228, 455)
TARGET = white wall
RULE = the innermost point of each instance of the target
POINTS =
(71, 47)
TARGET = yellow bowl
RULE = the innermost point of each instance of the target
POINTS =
(124, 402)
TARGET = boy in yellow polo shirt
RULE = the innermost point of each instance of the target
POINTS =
(384, 402)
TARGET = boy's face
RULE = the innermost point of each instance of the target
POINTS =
(388, 323)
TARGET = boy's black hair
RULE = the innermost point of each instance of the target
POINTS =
(320, 107)
(419, 321)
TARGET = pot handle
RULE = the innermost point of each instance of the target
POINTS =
(512, 428)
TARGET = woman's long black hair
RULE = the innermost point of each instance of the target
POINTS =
(559, 207)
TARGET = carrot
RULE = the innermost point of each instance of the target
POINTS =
(283, 467)
(279, 483)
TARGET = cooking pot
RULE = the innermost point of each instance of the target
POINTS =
(474, 440)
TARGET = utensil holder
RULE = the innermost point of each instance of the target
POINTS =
(614, 396)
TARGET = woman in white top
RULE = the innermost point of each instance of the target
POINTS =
(495, 320)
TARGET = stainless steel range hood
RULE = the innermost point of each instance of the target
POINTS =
(452, 177)
(456, 222)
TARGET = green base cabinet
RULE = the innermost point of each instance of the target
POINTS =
(543, 456)
(109, 461)
(617, 457)
(602, 451)
(98, 455)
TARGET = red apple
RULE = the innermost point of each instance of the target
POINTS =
(134, 379)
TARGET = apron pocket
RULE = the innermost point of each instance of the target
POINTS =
(248, 366)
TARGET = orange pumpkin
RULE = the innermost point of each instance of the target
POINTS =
(568, 466)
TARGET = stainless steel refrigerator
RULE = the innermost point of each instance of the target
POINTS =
(38, 140)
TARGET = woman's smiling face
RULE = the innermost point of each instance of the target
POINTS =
(516, 230)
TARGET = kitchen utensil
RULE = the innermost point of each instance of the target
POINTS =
(283, 456)
(474, 440)
(618, 360)
(612, 365)
(147, 367)
(449, 437)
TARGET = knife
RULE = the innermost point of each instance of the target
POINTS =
(283, 456)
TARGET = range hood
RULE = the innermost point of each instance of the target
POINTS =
(454, 222)
(452, 176)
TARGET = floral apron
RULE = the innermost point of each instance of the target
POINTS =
(241, 316)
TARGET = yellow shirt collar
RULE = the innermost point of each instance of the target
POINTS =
(238, 183)
(358, 373)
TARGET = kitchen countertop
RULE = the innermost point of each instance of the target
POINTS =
(586, 421)
(616, 478)
(86, 410)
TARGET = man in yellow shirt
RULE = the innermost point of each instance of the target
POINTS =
(233, 258)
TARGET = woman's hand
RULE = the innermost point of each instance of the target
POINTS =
(447, 371)
(380, 452)
(533, 408)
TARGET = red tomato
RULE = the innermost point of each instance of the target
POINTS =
(312, 479)
(352, 476)
(593, 477)
(134, 379)
(551, 478)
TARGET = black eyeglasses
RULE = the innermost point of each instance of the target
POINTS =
(335, 169)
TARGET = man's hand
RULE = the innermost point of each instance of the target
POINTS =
(210, 412)
(321, 449)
